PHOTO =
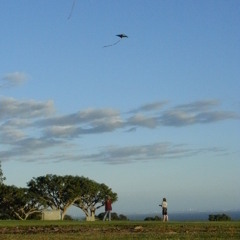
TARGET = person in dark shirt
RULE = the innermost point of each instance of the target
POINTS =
(108, 208)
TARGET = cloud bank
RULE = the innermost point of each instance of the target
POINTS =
(31, 131)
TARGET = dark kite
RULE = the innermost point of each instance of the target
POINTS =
(121, 36)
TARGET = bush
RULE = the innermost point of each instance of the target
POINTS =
(68, 217)
(156, 218)
(35, 216)
(219, 217)
(114, 216)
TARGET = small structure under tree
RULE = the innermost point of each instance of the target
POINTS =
(52, 215)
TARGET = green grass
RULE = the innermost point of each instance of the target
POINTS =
(117, 230)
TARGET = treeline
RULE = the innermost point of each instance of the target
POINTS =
(52, 192)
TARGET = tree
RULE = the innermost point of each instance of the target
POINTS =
(56, 192)
(18, 203)
(2, 178)
(93, 197)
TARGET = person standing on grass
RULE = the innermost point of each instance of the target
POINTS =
(164, 209)
(108, 208)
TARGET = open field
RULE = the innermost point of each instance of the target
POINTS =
(64, 230)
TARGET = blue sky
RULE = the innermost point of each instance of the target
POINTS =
(156, 115)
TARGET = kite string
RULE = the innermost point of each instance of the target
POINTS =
(70, 14)
(110, 45)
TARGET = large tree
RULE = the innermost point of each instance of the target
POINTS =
(18, 203)
(61, 192)
(57, 192)
(93, 197)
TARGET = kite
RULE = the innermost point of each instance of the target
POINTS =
(121, 36)
(70, 14)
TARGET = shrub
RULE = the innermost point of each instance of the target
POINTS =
(156, 218)
(68, 217)
(219, 217)
(114, 216)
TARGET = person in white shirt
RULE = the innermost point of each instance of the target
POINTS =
(164, 209)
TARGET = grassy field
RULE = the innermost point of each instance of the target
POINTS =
(66, 230)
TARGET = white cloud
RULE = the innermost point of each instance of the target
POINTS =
(84, 122)
(13, 79)
(13, 108)
(179, 118)
(149, 107)
(197, 106)
(115, 155)
(10, 135)
(141, 120)
(61, 131)
(30, 149)
(85, 116)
